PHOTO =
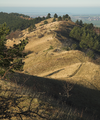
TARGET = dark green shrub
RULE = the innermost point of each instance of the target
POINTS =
(54, 20)
(51, 47)
(59, 18)
(45, 22)
(74, 46)
(40, 35)
(30, 29)
(48, 16)
(55, 15)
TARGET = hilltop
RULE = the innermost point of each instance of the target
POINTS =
(49, 55)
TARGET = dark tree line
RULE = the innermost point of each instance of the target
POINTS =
(79, 22)
(86, 36)
(18, 21)
(60, 18)
(14, 20)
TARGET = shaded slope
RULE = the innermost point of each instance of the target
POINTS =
(84, 101)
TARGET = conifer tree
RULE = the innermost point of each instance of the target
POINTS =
(10, 58)
(59, 18)
(48, 16)
(55, 15)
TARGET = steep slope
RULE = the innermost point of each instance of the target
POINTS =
(47, 57)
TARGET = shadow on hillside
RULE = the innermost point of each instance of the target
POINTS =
(28, 52)
(81, 98)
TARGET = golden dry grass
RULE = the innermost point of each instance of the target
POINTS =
(45, 62)
(52, 65)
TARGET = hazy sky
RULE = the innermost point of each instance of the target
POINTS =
(49, 3)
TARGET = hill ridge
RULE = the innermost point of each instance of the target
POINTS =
(48, 56)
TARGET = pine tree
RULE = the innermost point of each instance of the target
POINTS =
(59, 18)
(81, 23)
(55, 15)
(10, 58)
(77, 22)
(48, 16)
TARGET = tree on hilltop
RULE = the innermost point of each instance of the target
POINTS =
(65, 16)
(55, 15)
(59, 18)
(79, 22)
(48, 16)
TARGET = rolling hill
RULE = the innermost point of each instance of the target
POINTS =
(67, 79)
(48, 58)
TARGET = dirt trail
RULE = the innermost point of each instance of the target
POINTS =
(76, 71)
(63, 72)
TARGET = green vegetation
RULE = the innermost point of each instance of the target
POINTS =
(54, 20)
(43, 98)
(55, 15)
(87, 37)
(59, 18)
(74, 46)
(45, 22)
(90, 53)
(79, 22)
(64, 17)
(18, 21)
(51, 47)
(66, 48)
(30, 29)
(48, 16)
(10, 58)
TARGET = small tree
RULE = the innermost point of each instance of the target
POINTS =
(65, 16)
(81, 23)
(43, 18)
(45, 22)
(30, 29)
(48, 16)
(69, 18)
(55, 15)
(54, 20)
(59, 18)
(77, 22)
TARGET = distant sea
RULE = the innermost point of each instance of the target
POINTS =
(43, 11)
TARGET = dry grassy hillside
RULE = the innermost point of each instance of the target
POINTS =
(47, 57)
(41, 92)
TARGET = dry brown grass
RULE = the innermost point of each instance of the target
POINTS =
(45, 62)
(46, 59)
